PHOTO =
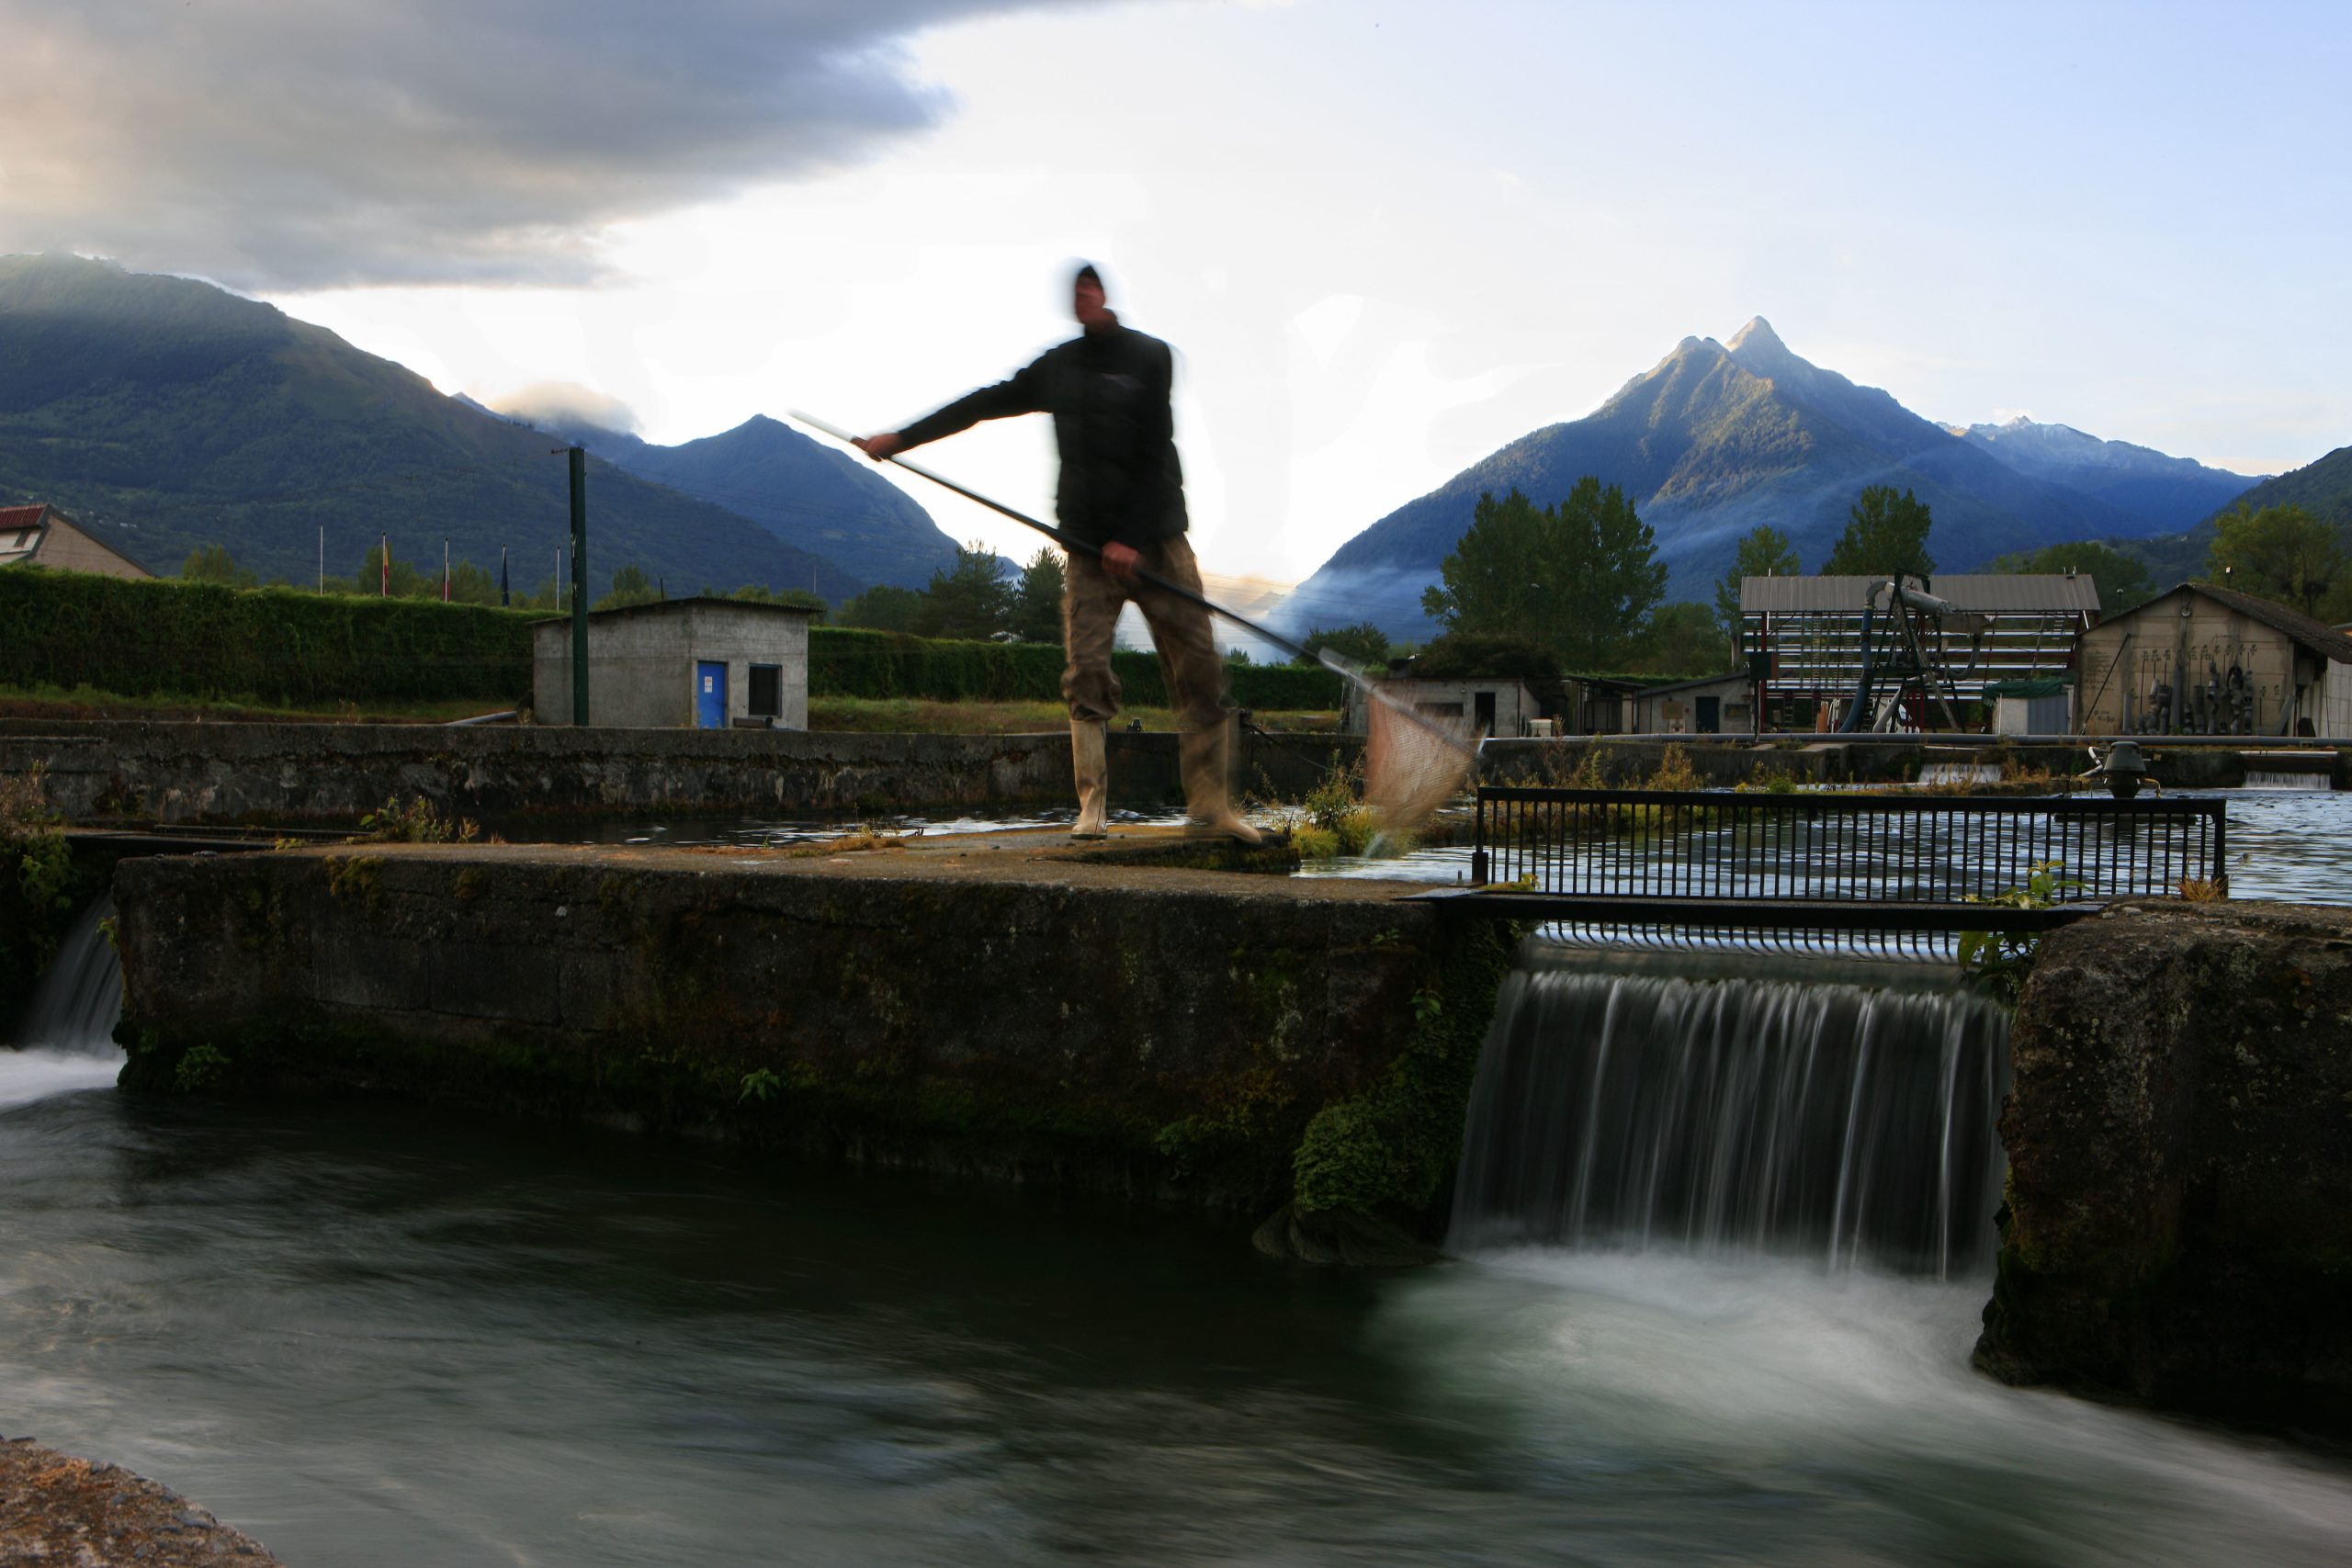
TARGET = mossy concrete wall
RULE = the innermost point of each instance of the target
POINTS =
(2178, 1223)
(289, 774)
(1238, 1041)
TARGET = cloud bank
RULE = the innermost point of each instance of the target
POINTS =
(299, 144)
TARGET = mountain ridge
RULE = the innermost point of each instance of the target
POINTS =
(168, 414)
(1709, 442)
(806, 494)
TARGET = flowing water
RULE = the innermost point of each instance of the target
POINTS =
(65, 1037)
(2288, 844)
(390, 1335)
(1644, 1102)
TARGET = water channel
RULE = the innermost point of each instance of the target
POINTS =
(386, 1335)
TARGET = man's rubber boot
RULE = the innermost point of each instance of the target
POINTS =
(1206, 758)
(1091, 763)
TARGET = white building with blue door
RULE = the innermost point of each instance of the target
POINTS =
(710, 663)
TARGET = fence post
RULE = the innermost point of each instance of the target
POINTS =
(578, 585)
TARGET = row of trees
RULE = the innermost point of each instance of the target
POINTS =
(976, 599)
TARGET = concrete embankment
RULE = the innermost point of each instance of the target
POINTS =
(1006, 1006)
(289, 774)
(2178, 1223)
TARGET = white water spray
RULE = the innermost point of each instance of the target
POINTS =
(65, 1040)
(1648, 1102)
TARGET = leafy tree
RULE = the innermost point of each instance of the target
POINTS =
(884, 607)
(630, 586)
(470, 584)
(971, 600)
(1685, 638)
(406, 581)
(2283, 553)
(1038, 600)
(213, 563)
(2121, 581)
(1363, 642)
(1579, 577)
(1885, 533)
(1764, 551)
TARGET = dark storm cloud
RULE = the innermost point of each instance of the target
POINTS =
(303, 144)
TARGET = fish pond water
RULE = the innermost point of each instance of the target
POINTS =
(385, 1334)
(392, 1336)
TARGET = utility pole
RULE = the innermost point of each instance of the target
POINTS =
(579, 460)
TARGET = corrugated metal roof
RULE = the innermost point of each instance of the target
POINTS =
(1989, 591)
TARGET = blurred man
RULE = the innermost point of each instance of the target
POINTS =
(1121, 490)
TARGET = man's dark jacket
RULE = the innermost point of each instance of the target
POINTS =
(1108, 392)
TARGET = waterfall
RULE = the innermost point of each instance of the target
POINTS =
(65, 1040)
(1934, 774)
(1639, 1100)
(2281, 778)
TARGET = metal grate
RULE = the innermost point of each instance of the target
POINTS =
(1925, 854)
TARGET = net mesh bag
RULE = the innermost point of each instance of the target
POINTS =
(1414, 761)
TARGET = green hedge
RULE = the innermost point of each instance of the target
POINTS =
(278, 645)
(848, 661)
(274, 645)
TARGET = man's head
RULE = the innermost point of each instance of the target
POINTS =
(1087, 300)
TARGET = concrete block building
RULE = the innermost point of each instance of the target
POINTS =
(2204, 659)
(1499, 705)
(1712, 704)
(706, 663)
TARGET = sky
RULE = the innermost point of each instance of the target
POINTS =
(1386, 238)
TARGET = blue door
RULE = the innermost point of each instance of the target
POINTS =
(710, 696)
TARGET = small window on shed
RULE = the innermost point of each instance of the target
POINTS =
(768, 691)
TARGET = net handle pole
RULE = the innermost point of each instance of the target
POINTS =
(1069, 542)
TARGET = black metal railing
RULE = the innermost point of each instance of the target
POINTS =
(1907, 856)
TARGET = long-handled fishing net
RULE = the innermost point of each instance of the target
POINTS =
(1414, 761)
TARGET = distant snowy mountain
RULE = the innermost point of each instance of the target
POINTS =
(2165, 493)
(1712, 440)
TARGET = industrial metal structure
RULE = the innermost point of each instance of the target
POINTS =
(1806, 635)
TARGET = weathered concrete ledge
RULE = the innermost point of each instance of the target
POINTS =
(2179, 1224)
(1003, 1007)
(57, 1508)
(287, 774)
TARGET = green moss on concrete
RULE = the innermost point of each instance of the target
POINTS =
(1390, 1152)
(356, 877)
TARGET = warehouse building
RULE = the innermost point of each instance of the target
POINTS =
(2209, 660)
